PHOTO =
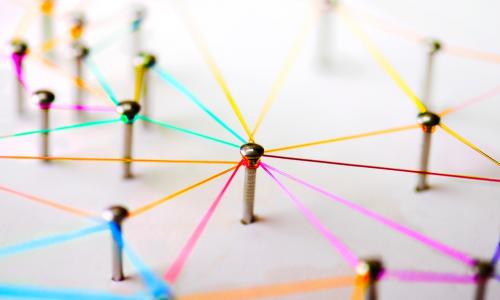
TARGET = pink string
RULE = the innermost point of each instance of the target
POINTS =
(402, 229)
(421, 276)
(18, 67)
(173, 272)
(83, 107)
(349, 257)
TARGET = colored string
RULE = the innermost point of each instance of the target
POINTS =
(113, 159)
(18, 67)
(75, 80)
(384, 25)
(169, 126)
(51, 240)
(209, 60)
(444, 249)
(156, 286)
(65, 208)
(286, 69)
(90, 108)
(360, 289)
(109, 40)
(190, 96)
(139, 82)
(24, 23)
(477, 99)
(175, 269)
(275, 290)
(472, 54)
(430, 277)
(384, 168)
(379, 57)
(31, 292)
(345, 138)
(348, 256)
(496, 255)
(467, 143)
(418, 38)
(154, 204)
(100, 78)
(79, 125)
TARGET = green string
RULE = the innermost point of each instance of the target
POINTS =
(169, 126)
(80, 125)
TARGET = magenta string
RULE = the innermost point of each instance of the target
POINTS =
(457, 255)
(93, 108)
(18, 67)
(348, 256)
(429, 277)
(174, 270)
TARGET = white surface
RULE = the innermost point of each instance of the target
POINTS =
(249, 40)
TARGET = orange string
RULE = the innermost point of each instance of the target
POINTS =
(76, 81)
(385, 25)
(154, 204)
(48, 203)
(112, 159)
(473, 54)
(275, 290)
(344, 138)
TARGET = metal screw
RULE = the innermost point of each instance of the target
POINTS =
(428, 121)
(116, 214)
(143, 62)
(80, 52)
(44, 99)
(433, 47)
(251, 153)
(370, 270)
(129, 110)
(483, 271)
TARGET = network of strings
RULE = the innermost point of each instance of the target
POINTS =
(365, 274)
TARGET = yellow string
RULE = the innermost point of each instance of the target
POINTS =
(466, 142)
(275, 290)
(210, 61)
(112, 159)
(24, 23)
(290, 60)
(379, 57)
(345, 138)
(139, 82)
(154, 204)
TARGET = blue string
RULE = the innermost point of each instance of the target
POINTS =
(51, 240)
(136, 24)
(169, 126)
(178, 86)
(156, 286)
(16, 291)
(100, 78)
(496, 255)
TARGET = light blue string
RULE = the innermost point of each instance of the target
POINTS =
(156, 286)
(31, 292)
(109, 40)
(178, 86)
(100, 78)
(169, 126)
(51, 240)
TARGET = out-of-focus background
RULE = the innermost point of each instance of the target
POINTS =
(334, 88)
